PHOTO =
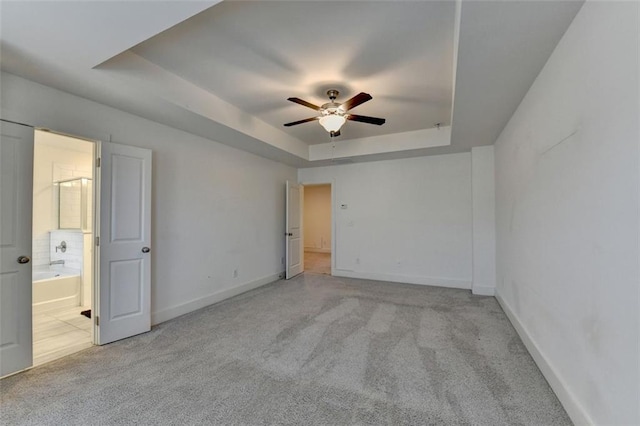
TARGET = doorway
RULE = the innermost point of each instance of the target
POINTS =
(317, 234)
(115, 279)
(62, 245)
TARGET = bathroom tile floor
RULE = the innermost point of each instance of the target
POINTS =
(60, 333)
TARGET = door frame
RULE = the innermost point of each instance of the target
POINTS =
(96, 224)
(95, 290)
(332, 183)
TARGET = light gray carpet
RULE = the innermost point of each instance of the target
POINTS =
(313, 350)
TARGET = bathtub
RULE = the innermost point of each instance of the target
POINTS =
(55, 288)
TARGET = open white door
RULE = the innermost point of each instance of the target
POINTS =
(294, 248)
(16, 200)
(124, 307)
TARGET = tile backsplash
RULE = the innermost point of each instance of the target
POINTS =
(73, 256)
(40, 250)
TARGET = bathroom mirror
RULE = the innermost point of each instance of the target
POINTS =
(74, 197)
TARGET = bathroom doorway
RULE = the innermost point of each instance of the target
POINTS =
(62, 251)
(317, 234)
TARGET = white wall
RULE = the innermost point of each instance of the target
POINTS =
(405, 220)
(567, 188)
(317, 218)
(484, 220)
(215, 208)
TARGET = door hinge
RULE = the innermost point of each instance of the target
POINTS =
(98, 162)
(98, 241)
(98, 321)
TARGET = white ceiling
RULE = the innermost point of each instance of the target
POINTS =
(256, 54)
(224, 71)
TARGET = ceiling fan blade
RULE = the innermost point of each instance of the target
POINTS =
(358, 99)
(365, 119)
(306, 120)
(304, 103)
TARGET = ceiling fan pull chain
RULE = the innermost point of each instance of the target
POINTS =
(333, 148)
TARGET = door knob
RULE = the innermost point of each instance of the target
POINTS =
(23, 259)
(146, 249)
(288, 234)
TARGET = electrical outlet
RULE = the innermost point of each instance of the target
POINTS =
(282, 260)
(357, 260)
(235, 273)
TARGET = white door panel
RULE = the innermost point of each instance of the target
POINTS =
(125, 228)
(294, 248)
(16, 199)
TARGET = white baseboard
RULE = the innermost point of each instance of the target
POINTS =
(201, 302)
(407, 279)
(575, 410)
(317, 250)
(483, 290)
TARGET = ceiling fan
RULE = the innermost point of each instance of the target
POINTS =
(334, 114)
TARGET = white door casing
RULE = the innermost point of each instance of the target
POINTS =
(294, 251)
(16, 201)
(124, 305)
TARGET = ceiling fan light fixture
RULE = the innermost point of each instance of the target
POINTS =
(332, 122)
(333, 114)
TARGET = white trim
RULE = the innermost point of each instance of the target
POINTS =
(317, 250)
(95, 282)
(334, 211)
(407, 279)
(219, 296)
(576, 412)
(483, 290)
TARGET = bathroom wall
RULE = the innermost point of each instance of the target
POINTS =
(75, 245)
(56, 157)
(87, 269)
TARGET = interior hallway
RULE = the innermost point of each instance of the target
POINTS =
(312, 350)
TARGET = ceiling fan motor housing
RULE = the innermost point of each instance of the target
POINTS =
(332, 94)
(332, 107)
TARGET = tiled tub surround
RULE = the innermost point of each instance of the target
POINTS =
(40, 250)
(73, 255)
(79, 256)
